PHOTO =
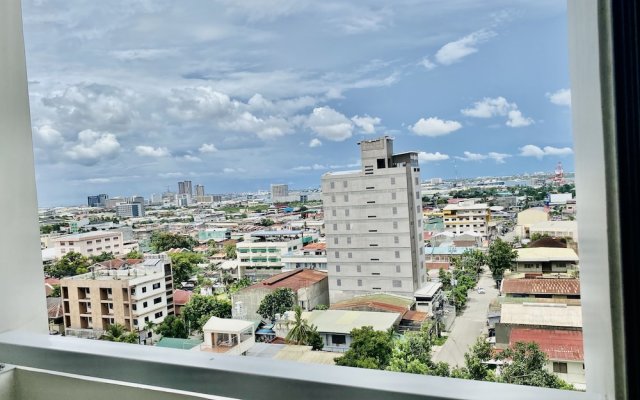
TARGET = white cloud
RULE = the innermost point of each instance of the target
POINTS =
(315, 142)
(93, 146)
(228, 170)
(149, 151)
(561, 97)
(429, 157)
(330, 124)
(469, 156)
(434, 126)
(48, 135)
(428, 64)
(517, 120)
(189, 157)
(366, 124)
(531, 150)
(498, 157)
(453, 52)
(498, 106)
(207, 148)
(142, 54)
(302, 168)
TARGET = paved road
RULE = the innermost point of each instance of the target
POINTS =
(468, 326)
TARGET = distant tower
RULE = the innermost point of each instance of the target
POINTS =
(558, 179)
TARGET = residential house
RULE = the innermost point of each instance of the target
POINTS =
(545, 260)
(541, 288)
(228, 336)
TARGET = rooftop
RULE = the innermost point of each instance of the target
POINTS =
(429, 289)
(181, 297)
(543, 314)
(226, 325)
(85, 236)
(315, 246)
(546, 254)
(541, 286)
(557, 344)
(294, 280)
(555, 226)
(276, 233)
(379, 302)
(175, 343)
(343, 321)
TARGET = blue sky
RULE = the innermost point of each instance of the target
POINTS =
(129, 97)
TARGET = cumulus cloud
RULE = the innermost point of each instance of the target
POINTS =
(453, 52)
(427, 64)
(531, 150)
(314, 167)
(498, 157)
(499, 106)
(149, 151)
(48, 135)
(434, 126)
(190, 158)
(93, 146)
(315, 142)
(429, 157)
(330, 124)
(469, 156)
(170, 174)
(366, 123)
(207, 148)
(561, 97)
(142, 54)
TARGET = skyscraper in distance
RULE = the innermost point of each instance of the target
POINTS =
(185, 188)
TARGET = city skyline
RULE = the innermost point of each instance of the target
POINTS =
(258, 94)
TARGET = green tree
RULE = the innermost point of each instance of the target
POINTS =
(163, 241)
(70, 264)
(55, 292)
(277, 302)
(500, 257)
(412, 353)
(134, 254)
(239, 285)
(369, 349)
(300, 331)
(526, 366)
(445, 278)
(200, 308)
(118, 333)
(321, 307)
(230, 251)
(172, 327)
(266, 222)
(184, 266)
(314, 339)
(104, 256)
(475, 361)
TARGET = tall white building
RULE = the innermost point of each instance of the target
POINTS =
(373, 222)
(279, 191)
(467, 216)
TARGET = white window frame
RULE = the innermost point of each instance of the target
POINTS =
(23, 326)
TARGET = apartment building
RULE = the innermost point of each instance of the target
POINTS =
(130, 210)
(312, 256)
(467, 216)
(131, 297)
(89, 244)
(279, 191)
(373, 224)
(260, 254)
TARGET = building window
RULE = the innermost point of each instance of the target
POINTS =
(335, 240)
(158, 314)
(337, 254)
(144, 289)
(397, 268)
(338, 282)
(335, 227)
(417, 180)
(417, 194)
(421, 249)
(135, 322)
(146, 319)
(333, 198)
(337, 268)
(348, 227)
(134, 307)
(346, 197)
(348, 239)
(395, 224)
(349, 255)
(359, 268)
(344, 184)
(346, 212)
(397, 283)
(393, 195)
(394, 210)
(333, 185)
(334, 213)
(418, 209)
(560, 367)
(393, 180)
(396, 239)
(397, 254)
(359, 282)
(144, 305)
(157, 300)
(338, 339)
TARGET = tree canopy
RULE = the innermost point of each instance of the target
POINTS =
(500, 257)
(266, 222)
(70, 264)
(172, 327)
(118, 333)
(163, 241)
(526, 366)
(277, 302)
(200, 308)
(230, 251)
(369, 349)
(184, 265)
(104, 256)
(134, 254)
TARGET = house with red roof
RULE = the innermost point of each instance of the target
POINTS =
(180, 299)
(542, 288)
(310, 286)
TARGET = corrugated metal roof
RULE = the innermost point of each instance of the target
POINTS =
(541, 286)
(342, 321)
(559, 345)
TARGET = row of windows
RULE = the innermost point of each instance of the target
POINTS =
(396, 283)
(359, 269)
(394, 196)
(345, 184)
(350, 254)
(348, 226)
(336, 240)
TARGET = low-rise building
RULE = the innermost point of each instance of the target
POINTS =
(311, 288)
(130, 297)
(228, 336)
(527, 218)
(89, 244)
(312, 256)
(543, 288)
(537, 316)
(215, 234)
(467, 216)
(429, 298)
(545, 260)
(557, 229)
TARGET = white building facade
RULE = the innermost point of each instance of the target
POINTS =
(89, 244)
(373, 224)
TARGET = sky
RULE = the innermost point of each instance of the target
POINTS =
(130, 97)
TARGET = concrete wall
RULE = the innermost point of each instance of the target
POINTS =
(575, 373)
(251, 299)
(318, 293)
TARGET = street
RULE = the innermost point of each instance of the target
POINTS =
(468, 326)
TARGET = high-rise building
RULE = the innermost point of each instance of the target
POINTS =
(185, 188)
(99, 200)
(130, 210)
(199, 190)
(373, 220)
(279, 191)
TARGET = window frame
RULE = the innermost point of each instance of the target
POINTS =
(23, 338)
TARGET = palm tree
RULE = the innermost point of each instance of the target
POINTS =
(300, 331)
(118, 333)
(149, 326)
